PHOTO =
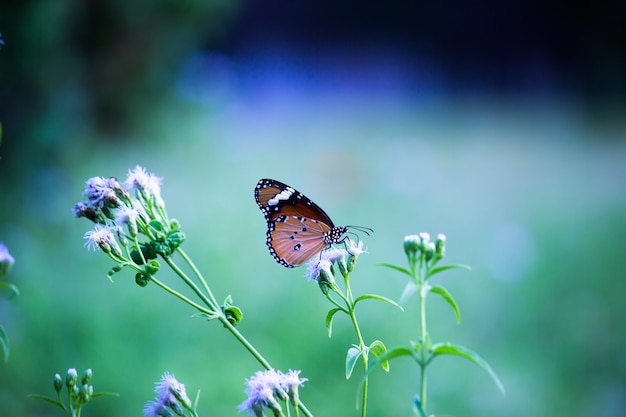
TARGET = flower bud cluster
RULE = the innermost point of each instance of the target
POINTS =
(266, 389)
(421, 245)
(124, 213)
(80, 392)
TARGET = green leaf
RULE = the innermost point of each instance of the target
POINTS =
(378, 348)
(50, 400)
(445, 268)
(329, 320)
(391, 354)
(446, 296)
(397, 268)
(4, 343)
(409, 290)
(377, 297)
(233, 314)
(11, 287)
(353, 354)
(451, 349)
(105, 394)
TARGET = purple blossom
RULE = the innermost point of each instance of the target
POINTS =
(265, 387)
(138, 179)
(101, 191)
(6, 260)
(168, 389)
(100, 237)
(125, 215)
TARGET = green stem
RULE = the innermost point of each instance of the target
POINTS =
(183, 298)
(423, 332)
(220, 316)
(198, 274)
(209, 302)
(351, 308)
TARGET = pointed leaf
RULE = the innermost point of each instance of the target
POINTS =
(50, 400)
(391, 354)
(409, 290)
(377, 297)
(445, 268)
(4, 344)
(105, 394)
(378, 348)
(446, 296)
(11, 287)
(351, 358)
(329, 320)
(451, 349)
(397, 268)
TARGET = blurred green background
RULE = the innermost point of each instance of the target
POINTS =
(503, 128)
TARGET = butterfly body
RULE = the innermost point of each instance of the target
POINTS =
(297, 228)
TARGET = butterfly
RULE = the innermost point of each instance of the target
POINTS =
(297, 228)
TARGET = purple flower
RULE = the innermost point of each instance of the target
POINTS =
(169, 387)
(6, 260)
(126, 215)
(101, 237)
(265, 387)
(138, 179)
(103, 191)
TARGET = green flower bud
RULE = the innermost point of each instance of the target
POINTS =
(58, 383)
(429, 250)
(326, 280)
(412, 244)
(440, 246)
(86, 376)
(71, 377)
(85, 393)
(174, 225)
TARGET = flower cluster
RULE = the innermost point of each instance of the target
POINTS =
(171, 399)
(321, 268)
(267, 388)
(124, 213)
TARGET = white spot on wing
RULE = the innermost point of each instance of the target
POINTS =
(283, 195)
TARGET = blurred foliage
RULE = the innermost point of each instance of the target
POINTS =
(528, 193)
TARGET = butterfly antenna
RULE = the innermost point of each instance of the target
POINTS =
(362, 229)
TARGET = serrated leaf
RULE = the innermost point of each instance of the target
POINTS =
(4, 343)
(329, 320)
(397, 268)
(446, 296)
(409, 290)
(452, 349)
(378, 348)
(445, 268)
(351, 358)
(11, 287)
(377, 297)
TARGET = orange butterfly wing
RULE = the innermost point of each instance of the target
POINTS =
(298, 229)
